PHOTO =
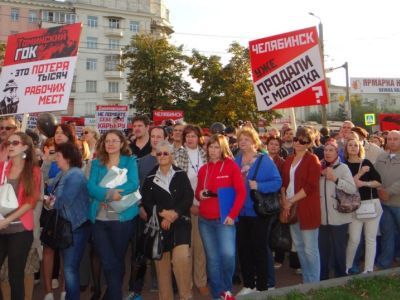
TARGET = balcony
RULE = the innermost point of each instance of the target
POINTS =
(116, 32)
(113, 74)
(112, 96)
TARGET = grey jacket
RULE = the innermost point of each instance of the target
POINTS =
(329, 214)
(389, 169)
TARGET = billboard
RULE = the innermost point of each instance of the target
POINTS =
(38, 70)
(287, 70)
(375, 85)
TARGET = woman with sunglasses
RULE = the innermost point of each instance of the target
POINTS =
(168, 188)
(334, 224)
(16, 228)
(112, 230)
(218, 231)
(51, 261)
(91, 135)
(300, 174)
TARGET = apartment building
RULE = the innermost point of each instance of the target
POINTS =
(107, 26)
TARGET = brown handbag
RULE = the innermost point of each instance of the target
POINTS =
(291, 218)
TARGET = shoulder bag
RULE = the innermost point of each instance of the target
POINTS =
(8, 198)
(57, 231)
(367, 209)
(153, 247)
(264, 204)
(347, 203)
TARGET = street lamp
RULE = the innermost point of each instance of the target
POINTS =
(321, 45)
(345, 66)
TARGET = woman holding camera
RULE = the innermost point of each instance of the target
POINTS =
(219, 235)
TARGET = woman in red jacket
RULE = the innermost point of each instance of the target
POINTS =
(16, 228)
(301, 173)
(217, 232)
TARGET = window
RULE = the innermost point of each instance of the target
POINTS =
(90, 108)
(91, 42)
(134, 26)
(112, 63)
(91, 86)
(48, 16)
(70, 18)
(113, 23)
(14, 14)
(32, 17)
(113, 87)
(91, 64)
(92, 21)
(113, 44)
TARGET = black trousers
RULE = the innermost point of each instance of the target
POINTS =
(16, 247)
(332, 242)
(253, 237)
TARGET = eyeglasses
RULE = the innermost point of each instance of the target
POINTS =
(14, 143)
(165, 153)
(112, 141)
(7, 127)
(301, 141)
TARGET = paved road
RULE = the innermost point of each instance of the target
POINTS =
(284, 277)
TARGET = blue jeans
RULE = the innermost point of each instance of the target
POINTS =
(306, 243)
(72, 257)
(111, 240)
(219, 245)
(390, 225)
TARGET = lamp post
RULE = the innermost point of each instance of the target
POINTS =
(346, 68)
(324, 118)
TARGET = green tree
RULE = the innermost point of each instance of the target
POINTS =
(2, 52)
(155, 74)
(226, 92)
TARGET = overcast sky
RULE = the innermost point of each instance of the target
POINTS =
(366, 33)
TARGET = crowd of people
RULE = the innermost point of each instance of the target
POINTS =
(197, 187)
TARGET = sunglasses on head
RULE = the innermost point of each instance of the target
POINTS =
(7, 127)
(301, 141)
(165, 153)
(14, 143)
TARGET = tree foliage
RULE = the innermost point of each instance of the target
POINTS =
(226, 92)
(2, 52)
(155, 74)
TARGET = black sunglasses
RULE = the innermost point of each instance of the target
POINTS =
(301, 141)
(14, 143)
(165, 153)
(7, 127)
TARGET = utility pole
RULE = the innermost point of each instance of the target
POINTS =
(324, 118)
(346, 68)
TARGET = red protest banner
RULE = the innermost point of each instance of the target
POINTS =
(161, 115)
(38, 70)
(287, 70)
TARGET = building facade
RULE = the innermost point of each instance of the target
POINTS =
(107, 26)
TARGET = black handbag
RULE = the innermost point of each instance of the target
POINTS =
(264, 204)
(153, 246)
(57, 232)
(280, 238)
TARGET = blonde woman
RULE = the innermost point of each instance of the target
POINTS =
(367, 180)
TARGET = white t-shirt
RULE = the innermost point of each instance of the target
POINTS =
(195, 163)
(290, 189)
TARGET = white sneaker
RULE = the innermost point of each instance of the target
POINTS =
(245, 291)
(55, 284)
(49, 296)
(62, 296)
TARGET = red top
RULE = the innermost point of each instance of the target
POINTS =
(27, 218)
(307, 176)
(212, 176)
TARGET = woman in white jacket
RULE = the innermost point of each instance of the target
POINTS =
(334, 225)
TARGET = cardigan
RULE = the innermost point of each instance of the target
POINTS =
(27, 218)
(98, 193)
(306, 177)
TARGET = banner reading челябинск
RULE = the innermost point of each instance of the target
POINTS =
(38, 70)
